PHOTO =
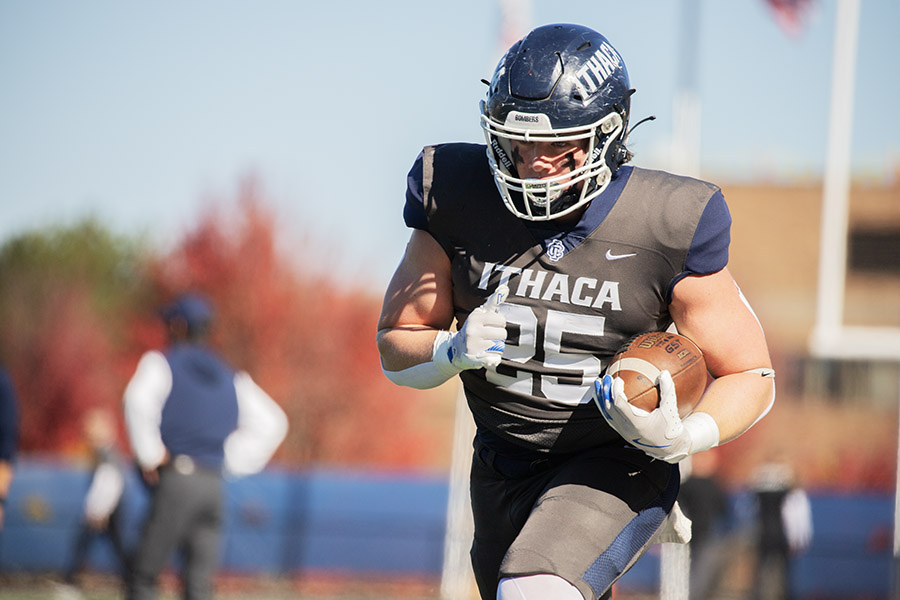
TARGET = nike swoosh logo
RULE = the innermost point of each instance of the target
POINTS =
(611, 256)
(638, 442)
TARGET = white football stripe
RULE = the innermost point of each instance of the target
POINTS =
(638, 365)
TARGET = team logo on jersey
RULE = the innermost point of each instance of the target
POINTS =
(555, 250)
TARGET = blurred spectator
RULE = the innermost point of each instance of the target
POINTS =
(784, 528)
(101, 517)
(705, 502)
(190, 417)
(9, 436)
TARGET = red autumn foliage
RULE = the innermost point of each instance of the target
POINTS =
(73, 371)
(60, 330)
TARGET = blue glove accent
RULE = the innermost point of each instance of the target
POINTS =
(638, 442)
(603, 392)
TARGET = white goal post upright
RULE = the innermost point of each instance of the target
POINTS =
(831, 338)
(827, 333)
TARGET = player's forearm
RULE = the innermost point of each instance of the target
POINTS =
(404, 347)
(736, 402)
(420, 359)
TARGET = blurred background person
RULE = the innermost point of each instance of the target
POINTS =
(103, 506)
(190, 418)
(784, 528)
(9, 438)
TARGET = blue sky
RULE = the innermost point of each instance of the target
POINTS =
(137, 113)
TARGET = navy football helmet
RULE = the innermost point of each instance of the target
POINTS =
(560, 82)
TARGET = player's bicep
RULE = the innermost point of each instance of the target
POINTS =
(418, 301)
(711, 310)
(420, 291)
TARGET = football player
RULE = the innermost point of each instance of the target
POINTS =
(545, 280)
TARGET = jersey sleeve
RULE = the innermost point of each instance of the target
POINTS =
(708, 252)
(709, 248)
(106, 489)
(414, 209)
(262, 426)
(144, 398)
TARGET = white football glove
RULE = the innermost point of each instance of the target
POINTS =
(660, 433)
(479, 343)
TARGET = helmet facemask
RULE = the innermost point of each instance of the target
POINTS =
(551, 197)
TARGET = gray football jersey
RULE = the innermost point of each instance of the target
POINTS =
(571, 305)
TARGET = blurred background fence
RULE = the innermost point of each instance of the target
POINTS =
(364, 523)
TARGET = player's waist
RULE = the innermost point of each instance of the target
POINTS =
(528, 429)
(517, 467)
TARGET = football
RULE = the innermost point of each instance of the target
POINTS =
(639, 362)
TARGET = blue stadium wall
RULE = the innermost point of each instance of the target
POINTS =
(359, 522)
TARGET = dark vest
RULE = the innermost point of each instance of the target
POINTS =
(201, 410)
